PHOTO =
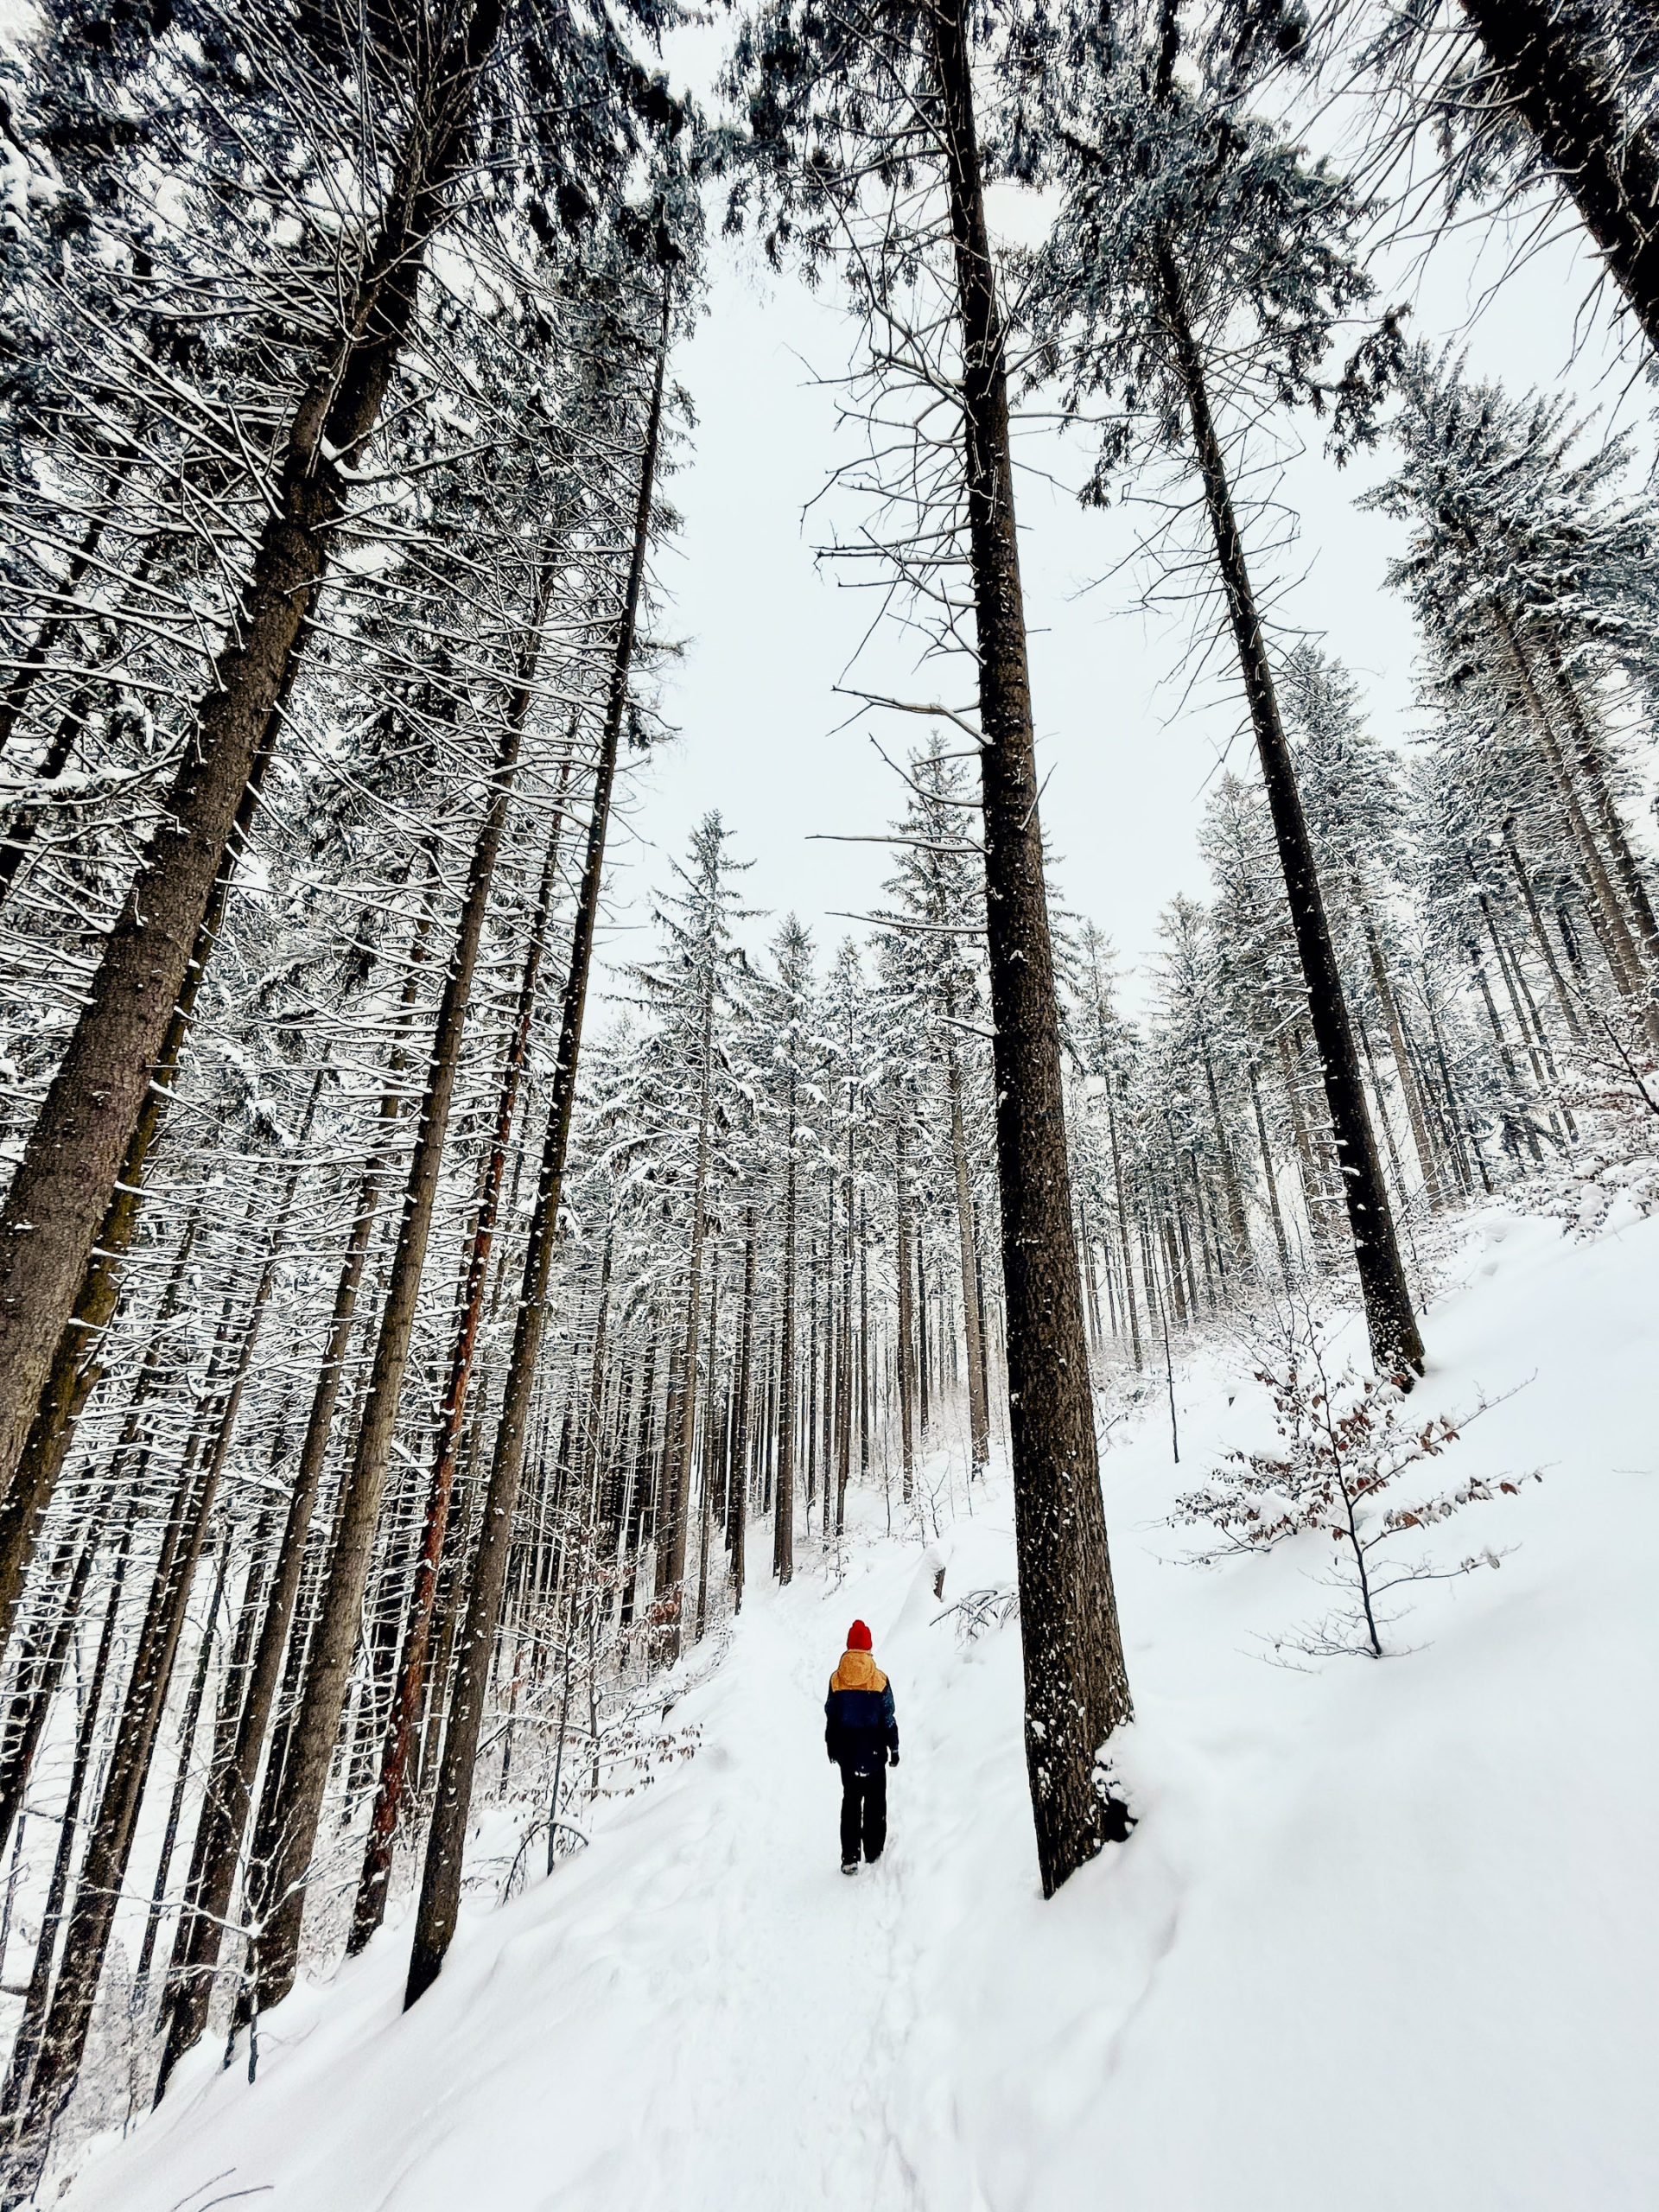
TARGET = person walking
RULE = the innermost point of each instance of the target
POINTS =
(860, 1734)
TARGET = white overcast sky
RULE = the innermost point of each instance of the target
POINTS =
(1126, 748)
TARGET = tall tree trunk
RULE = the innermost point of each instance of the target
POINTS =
(662, 1498)
(831, 1350)
(1201, 1215)
(1515, 990)
(1380, 1102)
(810, 1425)
(189, 1721)
(738, 1506)
(906, 1334)
(40, 1671)
(1269, 1179)
(710, 1453)
(440, 1881)
(1075, 1684)
(371, 1905)
(1540, 934)
(1123, 1226)
(1229, 1165)
(1313, 1198)
(923, 1360)
(863, 1337)
(1462, 1126)
(1587, 753)
(671, 1580)
(1097, 1254)
(783, 1546)
(1554, 73)
(64, 2039)
(316, 1726)
(74, 1369)
(67, 1176)
(1623, 959)
(979, 1418)
(1090, 1275)
(844, 1373)
(1172, 1267)
(1382, 985)
(585, 1483)
(26, 2043)
(1396, 1346)
(225, 1816)
(1514, 1113)
(640, 1510)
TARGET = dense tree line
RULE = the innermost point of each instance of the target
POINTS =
(393, 1385)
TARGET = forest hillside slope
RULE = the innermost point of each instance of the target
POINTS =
(1385, 1934)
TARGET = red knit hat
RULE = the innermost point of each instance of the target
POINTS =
(858, 1637)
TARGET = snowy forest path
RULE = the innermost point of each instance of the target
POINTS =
(701, 1973)
(1349, 1887)
(804, 1997)
(777, 1990)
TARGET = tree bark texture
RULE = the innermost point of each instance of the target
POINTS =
(1077, 1686)
(189, 1721)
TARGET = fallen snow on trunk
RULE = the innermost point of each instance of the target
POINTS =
(1385, 1936)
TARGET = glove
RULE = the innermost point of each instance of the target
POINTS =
(892, 1758)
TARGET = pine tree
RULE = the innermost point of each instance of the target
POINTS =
(691, 990)
(934, 992)
(1522, 571)
(1196, 252)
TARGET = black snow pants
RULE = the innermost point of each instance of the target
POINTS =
(863, 1810)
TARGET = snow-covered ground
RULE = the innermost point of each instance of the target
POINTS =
(1386, 1936)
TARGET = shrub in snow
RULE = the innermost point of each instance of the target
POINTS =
(1346, 1440)
(992, 1607)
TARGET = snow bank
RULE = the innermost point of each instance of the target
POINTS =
(1385, 1937)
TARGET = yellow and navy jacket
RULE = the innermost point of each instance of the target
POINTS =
(859, 1726)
